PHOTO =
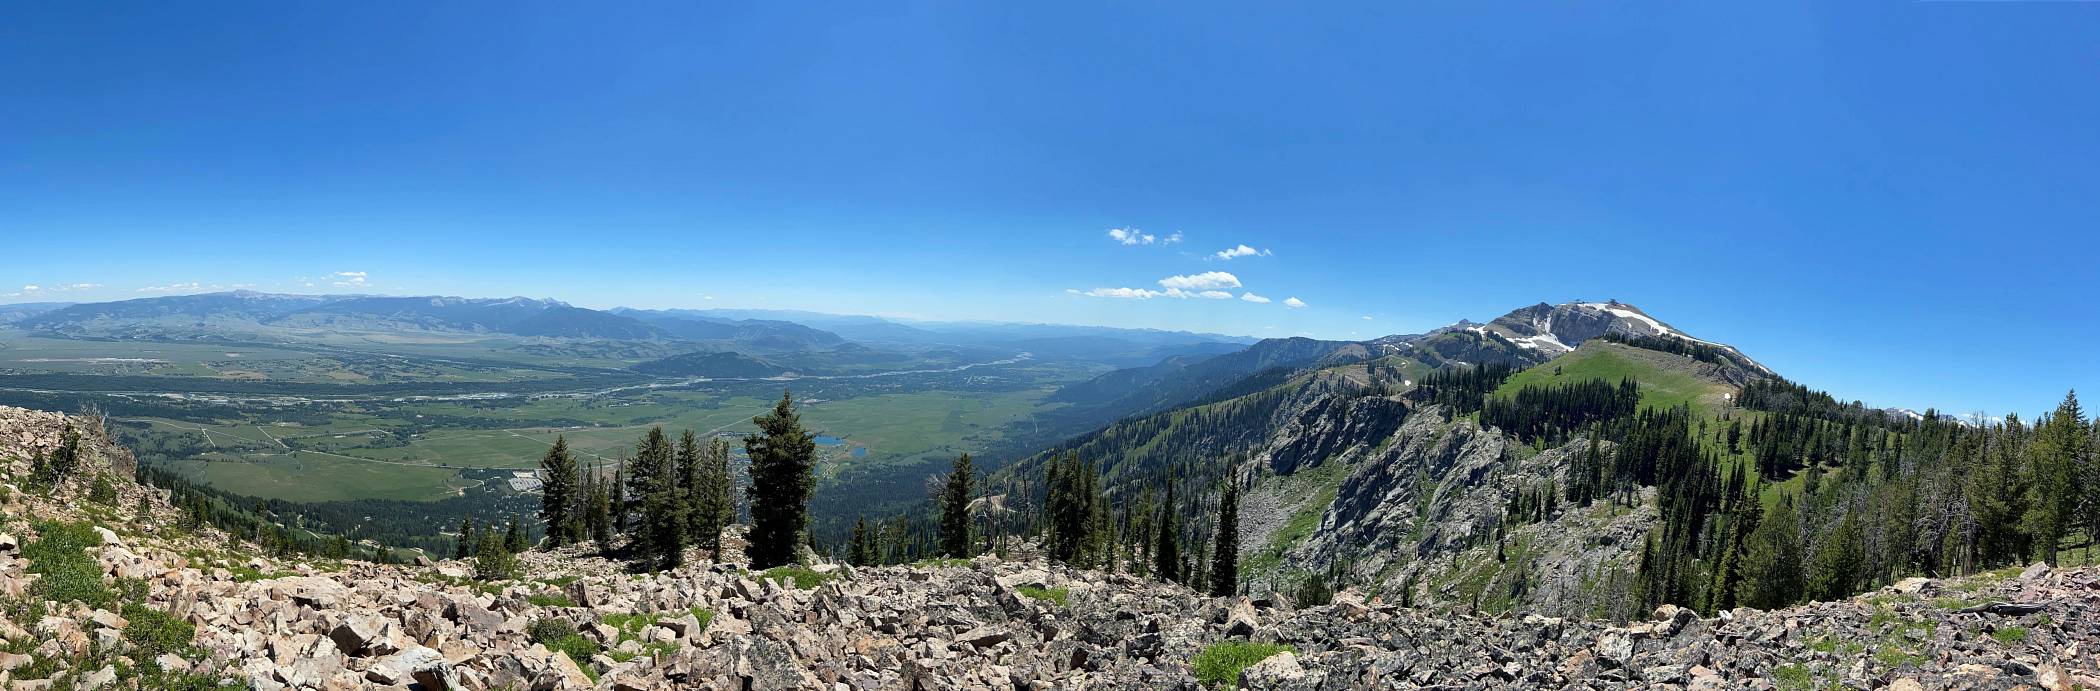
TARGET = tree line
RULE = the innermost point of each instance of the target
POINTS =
(673, 496)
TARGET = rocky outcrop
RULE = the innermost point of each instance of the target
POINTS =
(1329, 425)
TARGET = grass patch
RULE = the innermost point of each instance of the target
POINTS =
(2011, 635)
(1219, 665)
(1951, 603)
(1793, 678)
(631, 626)
(1057, 595)
(1831, 644)
(67, 571)
(1898, 657)
(802, 577)
(153, 632)
(549, 600)
(1665, 380)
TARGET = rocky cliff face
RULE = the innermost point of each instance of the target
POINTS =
(1425, 513)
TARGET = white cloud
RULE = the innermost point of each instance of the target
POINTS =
(1367, 317)
(31, 288)
(1250, 297)
(1124, 293)
(1131, 236)
(1171, 239)
(172, 288)
(1241, 251)
(1207, 286)
(1147, 293)
(350, 279)
(1293, 303)
(1209, 280)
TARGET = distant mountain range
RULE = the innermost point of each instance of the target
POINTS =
(761, 342)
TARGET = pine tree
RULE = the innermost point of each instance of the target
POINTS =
(2060, 450)
(647, 478)
(67, 458)
(1167, 541)
(1771, 564)
(664, 522)
(688, 473)
(102, 492)
(955, 510)
(467, 542)
(1835, 566)
(616, 495)
(599, 516)
(492, 561)
(713, 505)
(782, 476)
(558, 493)
(863, 547)
(1225, 555)
(1997, 493)
(514, 536)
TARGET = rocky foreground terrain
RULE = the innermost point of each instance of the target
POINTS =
(981, 624)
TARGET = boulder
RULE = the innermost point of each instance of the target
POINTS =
(1273, 672)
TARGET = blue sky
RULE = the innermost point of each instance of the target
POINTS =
(1894, 201)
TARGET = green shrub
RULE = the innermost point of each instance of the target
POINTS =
(1219, 665)
(560, 636)
(102, 492)
(631, 626)
(68, 571)
(153, 632)
(801, 576)
(1057, 595)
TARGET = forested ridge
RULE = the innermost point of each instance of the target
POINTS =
(1781, 495)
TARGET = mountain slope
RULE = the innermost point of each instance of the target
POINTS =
(758, 334)
(1182, 379)
(1350, 467)
(143, 315)
(1555, 329)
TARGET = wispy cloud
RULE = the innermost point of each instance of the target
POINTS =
(350, 279)
(1122, 293)
(1208, 280)
(172, 288)
(1257, 299)
(1230, 253)
(1172, 239)
(1293, 303)
(1131, 236)
(1148, 293)
(55, 288)
(1367, 317)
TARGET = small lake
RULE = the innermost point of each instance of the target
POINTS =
(828, 440)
